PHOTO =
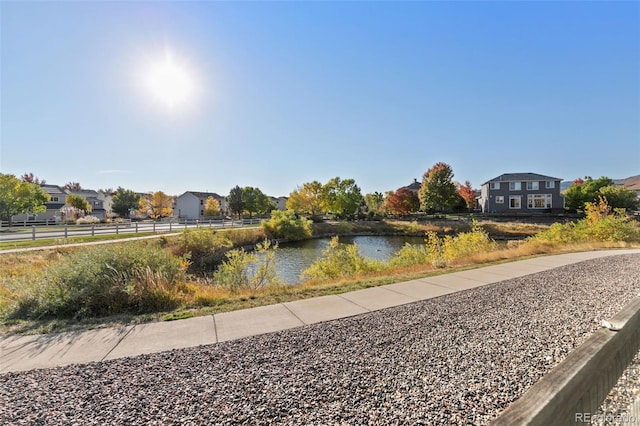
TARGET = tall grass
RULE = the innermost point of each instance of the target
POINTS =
(104, 280)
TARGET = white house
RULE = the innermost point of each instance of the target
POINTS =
(191, 204)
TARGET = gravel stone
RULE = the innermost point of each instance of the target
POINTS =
(458, 359)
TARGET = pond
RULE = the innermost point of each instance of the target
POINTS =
(292, 258)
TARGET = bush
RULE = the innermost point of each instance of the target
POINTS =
(87, 219)
(285, 224)
(106, 280)
(442, 251)
(248, 270)
(340, 260)
(601, 224)
(204, 247)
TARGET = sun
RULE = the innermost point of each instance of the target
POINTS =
(170, 82)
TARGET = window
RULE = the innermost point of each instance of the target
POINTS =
(494, 185)
(533, 186)
(499, 199)
(549, 184)
(201, 202)
(54, 199)
(201, 212)
(515, 186)
(539, 201)
(514, 201)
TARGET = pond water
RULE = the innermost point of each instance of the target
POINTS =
(292, 258)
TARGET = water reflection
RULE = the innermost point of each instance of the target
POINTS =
(292, 258)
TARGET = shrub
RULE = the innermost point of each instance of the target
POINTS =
(87, 219)
(248, 270)
(410, 255)
(340, 260)
(601, 224)
(285, 224)
(204, 247)
(106, 280)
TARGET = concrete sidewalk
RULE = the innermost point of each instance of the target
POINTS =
(19, 353)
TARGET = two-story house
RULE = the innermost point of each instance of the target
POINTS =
(95, 200)
(520, 193)
(191, 204)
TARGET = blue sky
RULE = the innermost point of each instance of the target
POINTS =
(290, 92)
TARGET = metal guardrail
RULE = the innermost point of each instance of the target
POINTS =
(574, 390)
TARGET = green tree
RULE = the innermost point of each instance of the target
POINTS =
(374, 202)
(255, 201)
(589, 190)
(341, 197)
(285, 224)
(211, 207)
(619, 197)
(79, 202)
(235, 200)
(306, 199)
(438, 192)
(18, 197)
(124, 201)
(156, 205)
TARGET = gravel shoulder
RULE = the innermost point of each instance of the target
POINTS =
(457, 359)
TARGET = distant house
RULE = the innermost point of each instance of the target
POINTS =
(520, 193)
(414, 186)
(57, 199)
(95, 200)
(191, 204)
(280, 202)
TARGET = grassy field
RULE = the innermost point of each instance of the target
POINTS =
(21, 274)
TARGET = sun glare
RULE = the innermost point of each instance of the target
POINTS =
(170, 82)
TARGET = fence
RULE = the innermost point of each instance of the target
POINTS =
(573, 391)
(35, 231)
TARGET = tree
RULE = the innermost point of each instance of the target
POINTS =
(438, 191)
(72, 186)
(341, 197)
(235, 201)
(124, 201)
(255, 201)
(18, 197)
(468, 194)
(374, 202)
(30, 178)
(589, 190)
(79, 202)
(306, 199)
(211, 207)
(402, 202)
(156, 205)
(619, 197)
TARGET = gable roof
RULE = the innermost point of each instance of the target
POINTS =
(520, 177)
(53, 189)
(414, 186)
(204, 195)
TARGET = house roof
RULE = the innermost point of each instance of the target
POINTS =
(53, 189)
(520, 177)
(204, 195)
(414, 186)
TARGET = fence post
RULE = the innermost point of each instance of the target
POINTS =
(185, 223)
(65, 230)
(209, 223)
(136, 227)
(154, 227)
(93, 230)
(33, 232)
(117, 228)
